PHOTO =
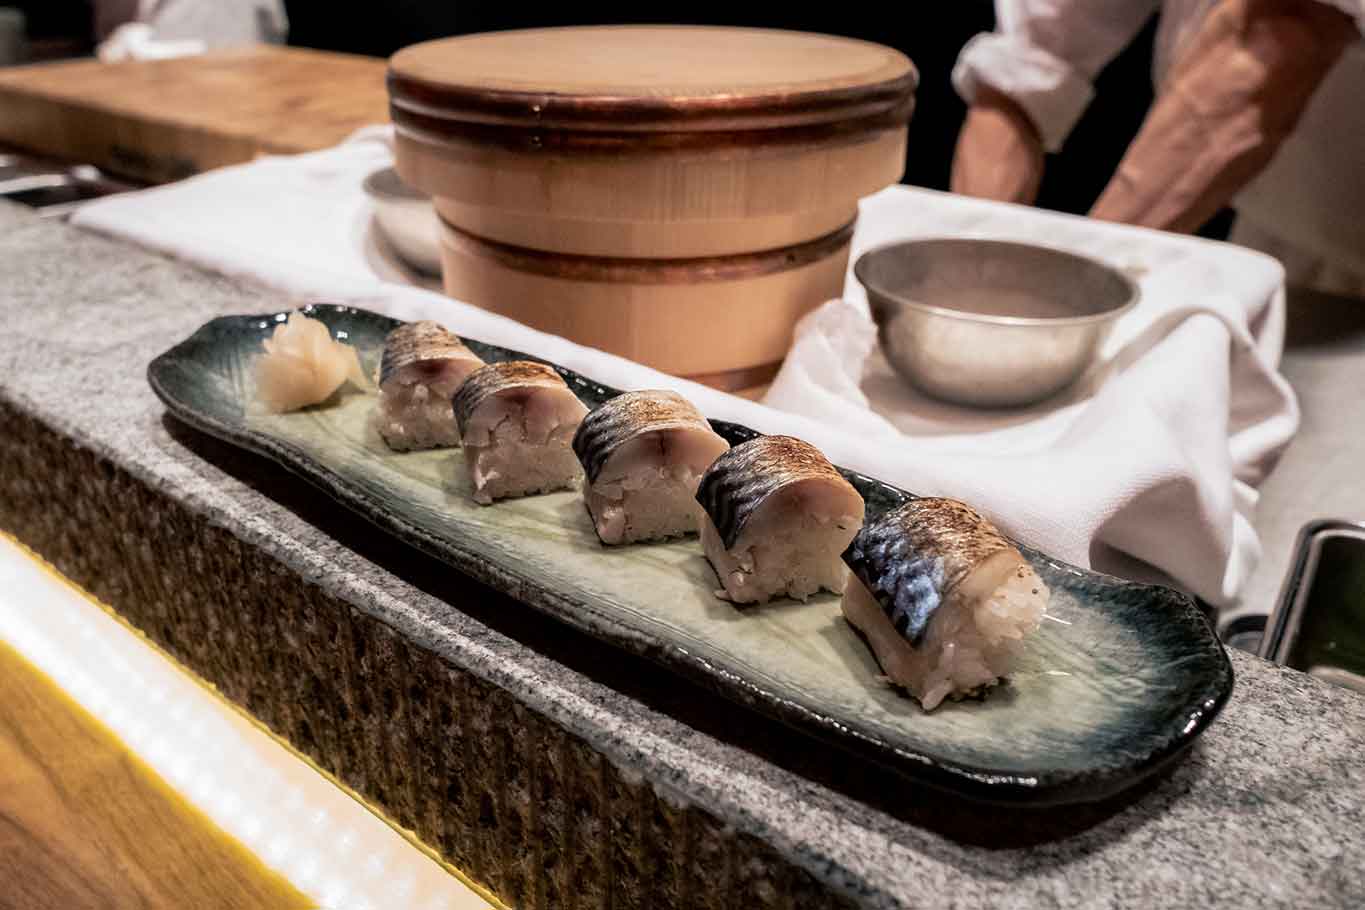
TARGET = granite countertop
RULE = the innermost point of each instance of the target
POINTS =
(1267, 810)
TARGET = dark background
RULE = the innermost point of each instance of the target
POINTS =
(929, 34)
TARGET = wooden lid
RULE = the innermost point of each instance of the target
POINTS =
(573, 86)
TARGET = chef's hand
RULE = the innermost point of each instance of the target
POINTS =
(999, 154)
(1233, 96)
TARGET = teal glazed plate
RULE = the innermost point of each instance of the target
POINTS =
(1119, 681)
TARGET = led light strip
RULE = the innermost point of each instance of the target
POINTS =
(297, 821)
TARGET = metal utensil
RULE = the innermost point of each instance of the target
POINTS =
(54, 189)
(1319, 623)
(990, 323)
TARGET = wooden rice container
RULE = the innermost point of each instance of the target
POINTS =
(677, 195)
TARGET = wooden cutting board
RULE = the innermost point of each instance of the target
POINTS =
(162, 120)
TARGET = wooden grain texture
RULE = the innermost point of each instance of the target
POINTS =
(165, 119)
(666, 62)
(729, 331)
(84, 824)
(656, 206)
(664, 150)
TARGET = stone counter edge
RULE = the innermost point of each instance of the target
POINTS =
(1277, 773)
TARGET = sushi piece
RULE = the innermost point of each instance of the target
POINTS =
(643, 454)
(303, 364)
(942, 598)
(777, 517)
(516, 422)
(422, 368)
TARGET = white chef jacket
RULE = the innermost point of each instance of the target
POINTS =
(155, 29)
(1307, 207)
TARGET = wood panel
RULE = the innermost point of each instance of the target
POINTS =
(84, 824)
(165, 119)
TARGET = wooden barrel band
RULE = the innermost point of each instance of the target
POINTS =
(440, 131)
(738, 379)
(470, 105)
(615, 270)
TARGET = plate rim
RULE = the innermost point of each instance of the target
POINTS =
(1042, 788)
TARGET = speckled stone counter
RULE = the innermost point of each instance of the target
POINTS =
(558, 771)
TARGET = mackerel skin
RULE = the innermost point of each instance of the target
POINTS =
(741, 480)
(628, 416)
(421, 343)
(914, 557)
(510, 376)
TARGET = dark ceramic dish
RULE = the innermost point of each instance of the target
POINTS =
(1119, 682)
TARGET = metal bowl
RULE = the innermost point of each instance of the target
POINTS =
(407, 220)
(990, 323)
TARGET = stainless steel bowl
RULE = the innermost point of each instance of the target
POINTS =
(990, 323)
(407, 220)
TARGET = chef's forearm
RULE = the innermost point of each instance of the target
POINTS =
(999, 153)
(1231, 99)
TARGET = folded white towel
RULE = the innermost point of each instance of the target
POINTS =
(1147, 468)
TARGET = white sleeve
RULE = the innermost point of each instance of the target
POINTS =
(1045, 54)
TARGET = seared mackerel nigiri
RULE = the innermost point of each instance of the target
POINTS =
(516, 421)
(777, 517)
(942, 598)
(643, 454)
(422, 367)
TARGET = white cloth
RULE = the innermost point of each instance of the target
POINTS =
(1045, 55)
(138, 41)
(160, 29)
(1153, 460)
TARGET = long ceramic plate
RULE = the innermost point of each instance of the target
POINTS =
(1120, 680)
